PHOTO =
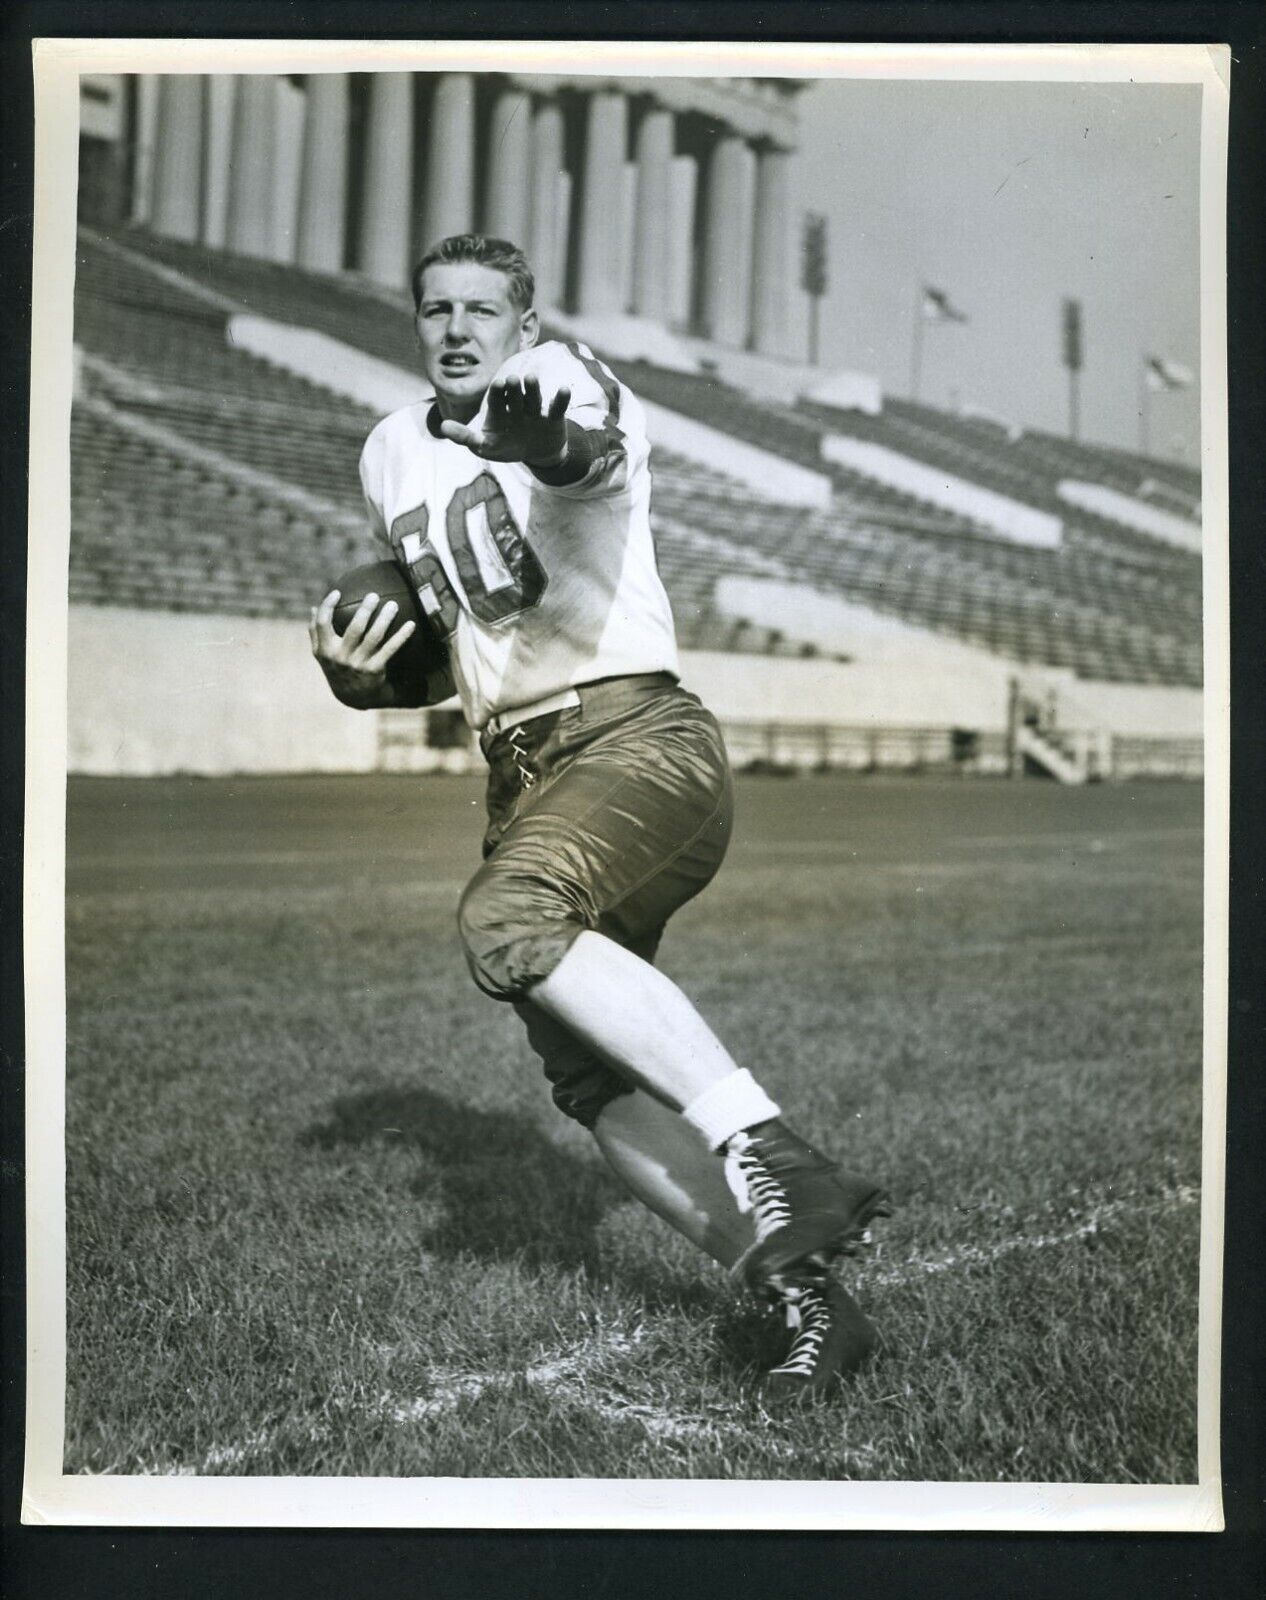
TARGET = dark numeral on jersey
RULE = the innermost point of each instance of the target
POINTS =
(499, 569)
(409, 536)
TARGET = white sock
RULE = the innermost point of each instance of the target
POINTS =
(737, 1102)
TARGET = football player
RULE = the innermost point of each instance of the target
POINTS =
(518, 501)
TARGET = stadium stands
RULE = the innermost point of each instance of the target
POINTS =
(1026, 469)
(150, 528)
(153, 528)
(160, 526)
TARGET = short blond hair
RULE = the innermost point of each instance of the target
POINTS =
(499, 254)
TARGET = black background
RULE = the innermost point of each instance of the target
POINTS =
(82, 1564)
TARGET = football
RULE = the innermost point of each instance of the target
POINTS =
(425, 652)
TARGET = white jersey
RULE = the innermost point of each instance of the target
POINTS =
(537, 588)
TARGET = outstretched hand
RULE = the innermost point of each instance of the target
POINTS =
(516, 424)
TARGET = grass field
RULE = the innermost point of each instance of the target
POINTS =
(323, 1219)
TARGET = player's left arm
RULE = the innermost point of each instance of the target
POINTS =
(556, 409)
(516, 424)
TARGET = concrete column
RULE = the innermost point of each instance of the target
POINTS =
(728, 243)
(450, 173)
(744, 225)
(628, 232)
(323, 180)
(600, 266)
(545, 169)
(562, 236)
(683, 184)
(384, 232)
(217, 151)
(772, 277)
(652, 217)
(509, 165)
(250, 225)
(287, 168)
(178, 156)
(144, 133)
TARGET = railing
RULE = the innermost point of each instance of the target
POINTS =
(437, 740)
(1048, 734)
(1157, 758)
(823, 747)
(429, 741)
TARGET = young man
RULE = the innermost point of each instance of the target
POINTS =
(519, 504)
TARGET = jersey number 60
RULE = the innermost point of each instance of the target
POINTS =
(499, 569)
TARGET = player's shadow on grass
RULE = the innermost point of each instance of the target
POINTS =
(499, 1187)
(501, 1190)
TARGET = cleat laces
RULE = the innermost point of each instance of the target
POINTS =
(809, 1318)
(754, 1187)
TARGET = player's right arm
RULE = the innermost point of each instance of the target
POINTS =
(355, 662)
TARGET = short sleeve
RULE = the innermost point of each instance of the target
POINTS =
(371, 476)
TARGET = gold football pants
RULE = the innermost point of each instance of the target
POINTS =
(609, 816)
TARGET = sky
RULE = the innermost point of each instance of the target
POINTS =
(1011, 196)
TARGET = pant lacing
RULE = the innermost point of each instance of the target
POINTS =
(527, 778)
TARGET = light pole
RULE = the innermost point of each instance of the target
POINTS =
(813, 274)
(1072, 360)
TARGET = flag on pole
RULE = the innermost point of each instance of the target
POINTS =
(1162, 373)
(937, 306)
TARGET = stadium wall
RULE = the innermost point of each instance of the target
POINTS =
(155, 692)
(887, 693)
(161, 692)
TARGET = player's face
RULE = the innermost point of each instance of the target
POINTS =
(467, 326)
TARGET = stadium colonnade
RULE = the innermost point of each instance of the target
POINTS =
(669, 199)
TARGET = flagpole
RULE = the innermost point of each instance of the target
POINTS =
(916, 344)
(1145, 406)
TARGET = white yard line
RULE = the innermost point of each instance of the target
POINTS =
(559, 1376)
(216, 1459)
(971, 1255)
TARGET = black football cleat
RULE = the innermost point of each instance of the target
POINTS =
(802, 1204)
(831, 1337)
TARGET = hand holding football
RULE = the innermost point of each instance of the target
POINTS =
(375, 603)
